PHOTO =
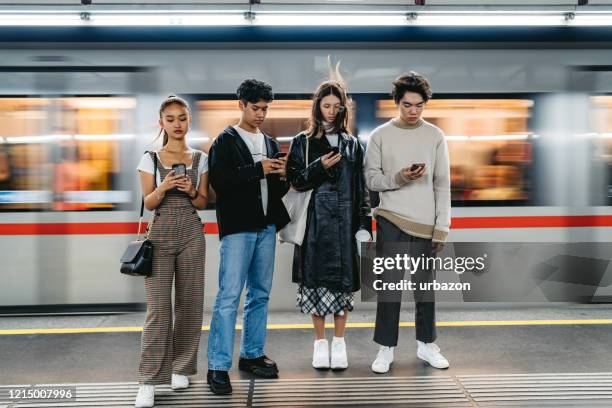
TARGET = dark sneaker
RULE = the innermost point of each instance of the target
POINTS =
(260, 366)
(219, 382)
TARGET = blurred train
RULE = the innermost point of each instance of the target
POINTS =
(529, 129)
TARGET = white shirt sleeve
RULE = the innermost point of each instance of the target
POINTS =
(203, 165)
(146, 164)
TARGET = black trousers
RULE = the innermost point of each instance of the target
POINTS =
(388, 312)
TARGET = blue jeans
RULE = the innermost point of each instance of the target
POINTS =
(246, 257)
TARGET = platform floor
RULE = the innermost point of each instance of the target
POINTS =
(524, 357)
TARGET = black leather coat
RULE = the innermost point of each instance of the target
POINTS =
(339, 207)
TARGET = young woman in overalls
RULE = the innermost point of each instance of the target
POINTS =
(169, 346)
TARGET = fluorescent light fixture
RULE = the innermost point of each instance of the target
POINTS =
(329, 19)
(489, 19)
(37, 139)
(195, 19)
(104, 137)
(592, 19)
(127, 19)
(40, 19)
(212, 18)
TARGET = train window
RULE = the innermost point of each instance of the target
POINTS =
(24, 166)
(285, 119)
(601, 118)
(87, 165)
(489, 145)
(63, 153)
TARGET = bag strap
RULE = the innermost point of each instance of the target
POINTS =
(142, 202)
(306, 158)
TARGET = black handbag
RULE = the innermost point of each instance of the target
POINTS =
(137, 260)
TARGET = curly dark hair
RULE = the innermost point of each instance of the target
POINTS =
(411, 82)
(253, 90)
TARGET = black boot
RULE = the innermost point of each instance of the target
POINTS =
(260, 366)
(219, 382)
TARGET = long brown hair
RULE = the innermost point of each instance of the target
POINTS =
(170, 99)
(316, 127)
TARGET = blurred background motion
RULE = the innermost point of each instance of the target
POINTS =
(526, 109)
(68, 154)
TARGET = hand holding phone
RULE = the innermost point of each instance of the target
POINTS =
(331, 158)
(414, 172)
(281, 172)
(179, 169)
(415, 166)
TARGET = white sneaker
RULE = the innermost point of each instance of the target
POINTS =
(383, 361)
(179, 382)
(320, 355)
(430, 352)
(339, 361)
(145, 397)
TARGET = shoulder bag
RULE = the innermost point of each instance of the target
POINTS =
(137, 260)
(296, 203)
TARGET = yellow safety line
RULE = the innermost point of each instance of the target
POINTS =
(472, 323)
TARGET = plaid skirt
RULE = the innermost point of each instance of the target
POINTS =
(322, 301)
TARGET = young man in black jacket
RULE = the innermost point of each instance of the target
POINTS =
(249, 182)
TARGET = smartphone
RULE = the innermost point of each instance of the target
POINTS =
(335, 150)
(415, 166)
(280, 155)
(179, 169)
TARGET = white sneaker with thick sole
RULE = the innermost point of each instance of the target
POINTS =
(320, 355)
(145, 397)
(383, 361)
(179, 382)
(430, 352)
(339, 360)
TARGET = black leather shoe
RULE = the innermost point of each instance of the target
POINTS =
(219, 382)
(260, 366)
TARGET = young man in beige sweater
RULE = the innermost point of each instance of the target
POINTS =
(407, 163)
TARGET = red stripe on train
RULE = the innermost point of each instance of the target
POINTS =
(549, 221)
(105, 228)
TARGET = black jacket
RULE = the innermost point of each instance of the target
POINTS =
(235, 178)
(338, 208)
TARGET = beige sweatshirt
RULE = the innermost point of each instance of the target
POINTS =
(420, 207)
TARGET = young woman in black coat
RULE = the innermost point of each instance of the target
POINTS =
(326, 265)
